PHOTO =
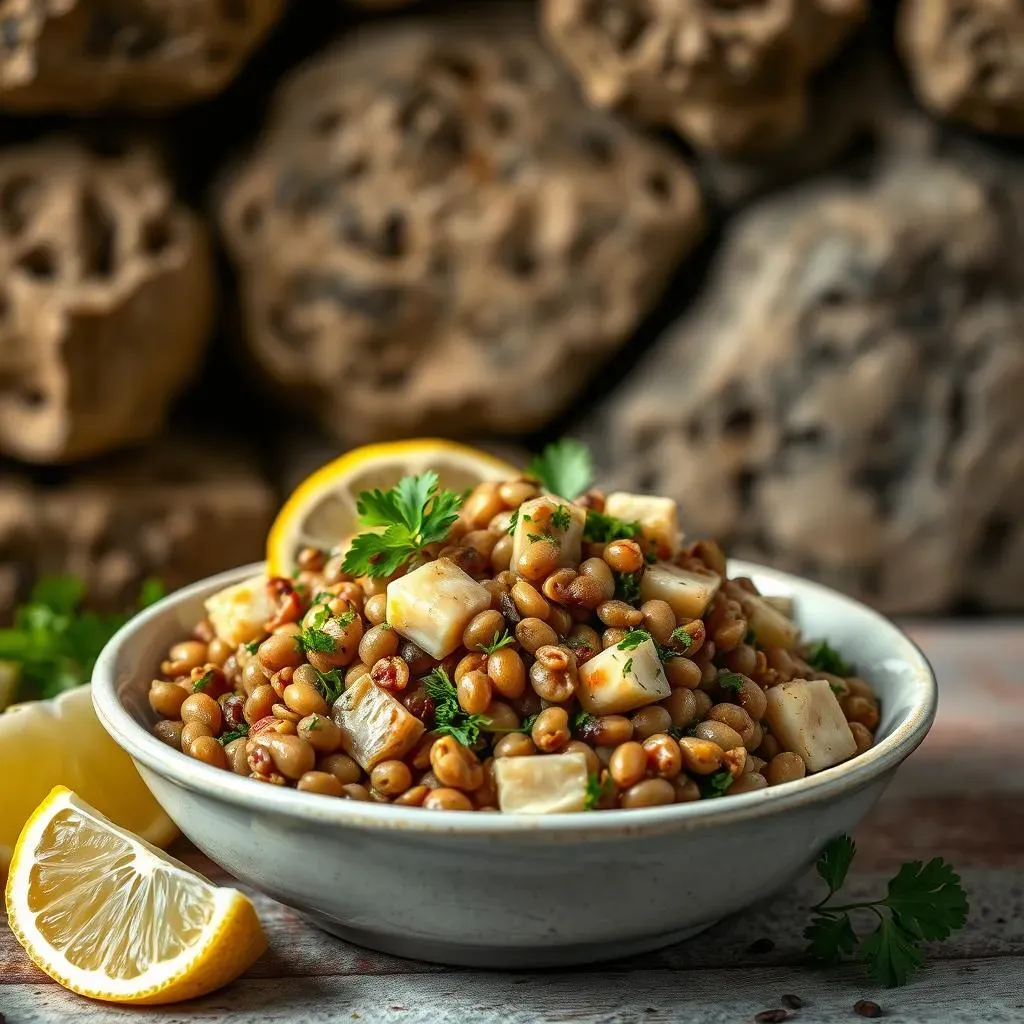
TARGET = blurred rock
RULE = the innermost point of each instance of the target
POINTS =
(76, 55)
(966, 59)
(845, 399)
(177, 511)
(435, 234)
(105, 300)
(729, 77)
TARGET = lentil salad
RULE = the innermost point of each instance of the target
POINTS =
(532, 646)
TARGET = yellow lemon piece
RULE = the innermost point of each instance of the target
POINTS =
(321, 511)
(46, 743)
(109, 916)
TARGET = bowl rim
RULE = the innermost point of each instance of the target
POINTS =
(190, 774)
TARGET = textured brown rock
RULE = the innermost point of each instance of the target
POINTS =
(966, 59)
(105, 300)
(176, 511)
(730, 77)
(79, 55)
(844, 401)
(435, 234)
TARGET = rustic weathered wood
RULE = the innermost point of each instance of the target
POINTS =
(961, 795)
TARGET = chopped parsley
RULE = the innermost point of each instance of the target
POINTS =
(628, 667)
(602, 529)
(235, 734)
(314, 723)
(528, 721)
(414, 513)
(541, 536)
(498, 641)
(561, 518)
(202, 682)
(449, 718)
(680, 636)
(330, 684)
(627, 586)
(597, 790)
(582, 721)
(564, 468)
(824, 657)
(633, 639)
(513, 522)
(253, 647)
(715, 784)
(731, 681)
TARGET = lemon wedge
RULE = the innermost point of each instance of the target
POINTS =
(61, 742)
(321, 511)
(109, 916)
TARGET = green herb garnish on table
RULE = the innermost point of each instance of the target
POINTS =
(923, 902)
(54, 643)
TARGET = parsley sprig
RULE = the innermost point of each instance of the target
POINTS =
(414, 513)
(330, 684)
(564, 468)
(823, 656)
(635, 637)
(239, 733)
(54, 643)
(597, 790)
(313, 636)
(498, 641)
(923, 902)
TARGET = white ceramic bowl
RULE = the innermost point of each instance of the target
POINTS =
(493, 890)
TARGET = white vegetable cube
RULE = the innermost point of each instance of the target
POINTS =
(771, 627)
(615, 680)
(549, 517)
(658, 519)
(688, 594)
(238, 614)
(805, 717)
(541, 783)
(433, 605)
(374, 726)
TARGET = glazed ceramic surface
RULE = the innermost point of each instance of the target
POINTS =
(494, 890)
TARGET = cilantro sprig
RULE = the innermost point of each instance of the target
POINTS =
(564, 468)
(923, 902)
(449, 718)
(823, 656)
(414, 513)
(54, 643)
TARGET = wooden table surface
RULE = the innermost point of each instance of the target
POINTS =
(960, 796)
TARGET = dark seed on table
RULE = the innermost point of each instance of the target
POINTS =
(761, 946)
(866, 1008)
(791, 1002)
(771, 1016)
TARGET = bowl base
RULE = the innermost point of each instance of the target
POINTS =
(458, 954)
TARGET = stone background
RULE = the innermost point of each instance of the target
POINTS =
(764, 255)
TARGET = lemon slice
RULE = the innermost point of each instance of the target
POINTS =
(46, 743)
(109, 916)
(321, 511)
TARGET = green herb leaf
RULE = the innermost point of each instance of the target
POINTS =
(628, 667)
(829, 939)
(414, 513)
(596, 791)
(498, 641)
(715, 784)
(313, 638)
(835, 861)
(53, 643)
(563, 468)
(681, 638)
(730, 681)
(582, 721)
(202, 682)
(449, 718)
(314, 723)
(235, 734)
(561, 518)
(528, 721)
(928, 899)
(513, 522)
(253, 647)
(330, 684)
(891, 954)
(923, 902)
(603, 529)
(541, 536)
(627, 586)
(824, 657)
(633, 639)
